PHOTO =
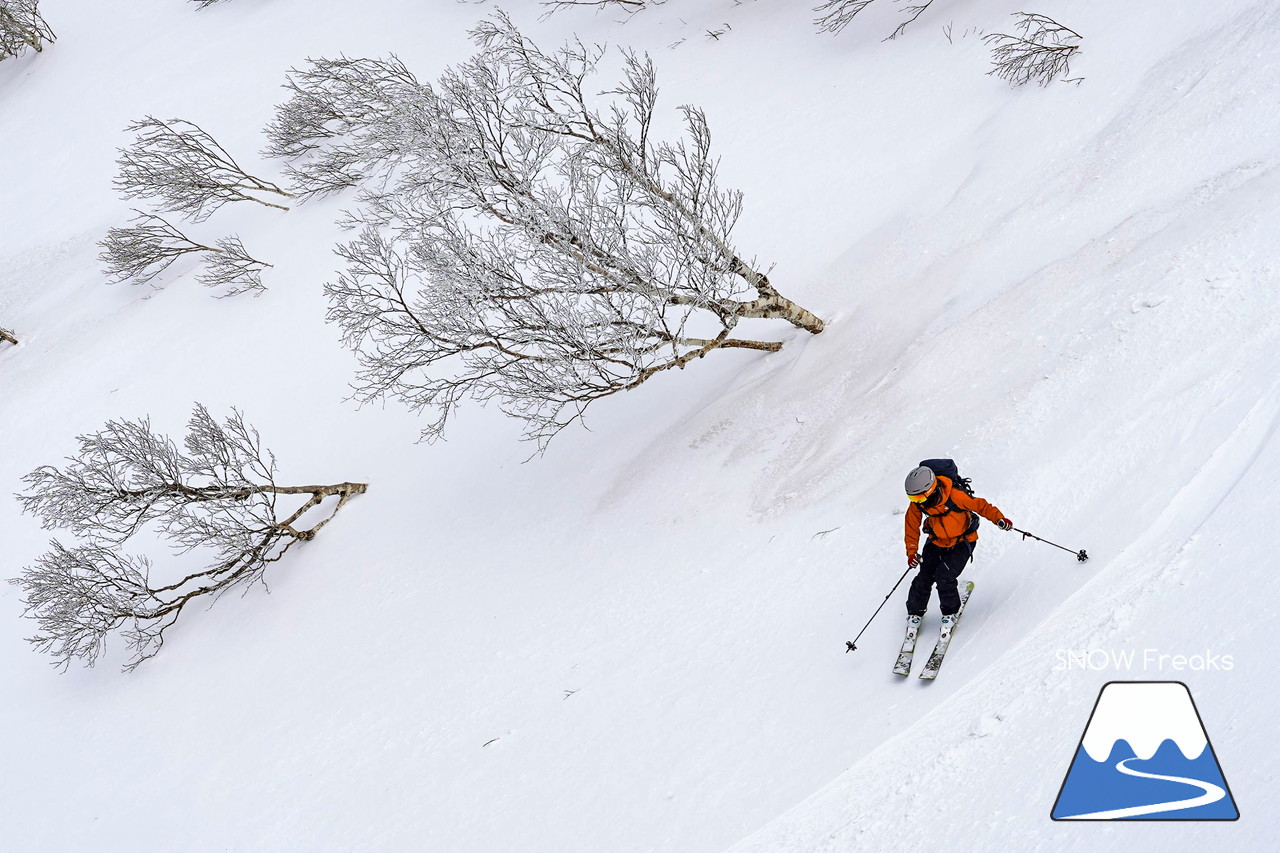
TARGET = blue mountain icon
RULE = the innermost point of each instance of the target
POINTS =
(1145, 755)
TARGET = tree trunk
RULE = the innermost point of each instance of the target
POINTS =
(344, 491)
(776, 306)
(772, 304)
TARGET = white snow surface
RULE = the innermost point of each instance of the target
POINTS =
(1145, 714)
(635, 642)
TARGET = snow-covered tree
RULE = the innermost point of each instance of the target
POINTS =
(143, 250)
(1041, 51)
(183, 167)
(22, 27)
(523, 243)
(835, 15)
(217, 493)
(6, 335)
(337, 126)
(230, 266)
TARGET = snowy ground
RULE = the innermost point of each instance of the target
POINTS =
(635, 642)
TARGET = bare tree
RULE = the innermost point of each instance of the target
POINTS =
(325, 127)
(835, 15)
(218, 494)
(521, 244)
(182, 166)
(204, 3)
(912, 11)
(1041, 51)
(6, 335)
(142, 251)
(628, 6)
(22, 27)
(230, 266)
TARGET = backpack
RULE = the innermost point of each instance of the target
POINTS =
(947, 468)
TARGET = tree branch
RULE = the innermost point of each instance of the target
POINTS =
(217, 494)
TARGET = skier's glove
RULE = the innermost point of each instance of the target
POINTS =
(913, 560)
(1004, 524)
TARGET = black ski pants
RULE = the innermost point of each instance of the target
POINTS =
(941, 566)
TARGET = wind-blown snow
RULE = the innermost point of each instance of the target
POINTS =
(636, 641)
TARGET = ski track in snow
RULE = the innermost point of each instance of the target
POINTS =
(863, 809)
(636, 642)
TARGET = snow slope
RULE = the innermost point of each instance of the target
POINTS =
(635, 642)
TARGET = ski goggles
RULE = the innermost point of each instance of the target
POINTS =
(923, 496)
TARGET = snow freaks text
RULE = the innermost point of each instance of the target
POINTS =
(1147, 660)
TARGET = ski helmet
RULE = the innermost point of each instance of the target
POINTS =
(920, 483)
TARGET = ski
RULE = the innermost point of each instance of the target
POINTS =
(903, 665)
(934, 664)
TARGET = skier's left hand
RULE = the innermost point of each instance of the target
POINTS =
(1004, 524)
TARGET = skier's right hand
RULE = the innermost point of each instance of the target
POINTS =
(913, 560)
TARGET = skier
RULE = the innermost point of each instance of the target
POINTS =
(950, 517)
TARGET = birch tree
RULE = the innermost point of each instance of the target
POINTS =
(342, 123)
(835, 15)
(143, 250)
(230, 267)
(186, 171)
(628, 6)
(22, 27)
(1040, 52)
(216, 494)
(525, 241)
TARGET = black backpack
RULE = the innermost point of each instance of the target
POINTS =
(947, 468)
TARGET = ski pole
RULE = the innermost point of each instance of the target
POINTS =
(852, 644)
(1080, 555)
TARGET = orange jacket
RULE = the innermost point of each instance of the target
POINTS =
(946, 527)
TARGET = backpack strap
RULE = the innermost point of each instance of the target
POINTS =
(950, 506)
(974, 518)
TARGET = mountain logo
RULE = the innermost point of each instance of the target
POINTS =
(1145, 755)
